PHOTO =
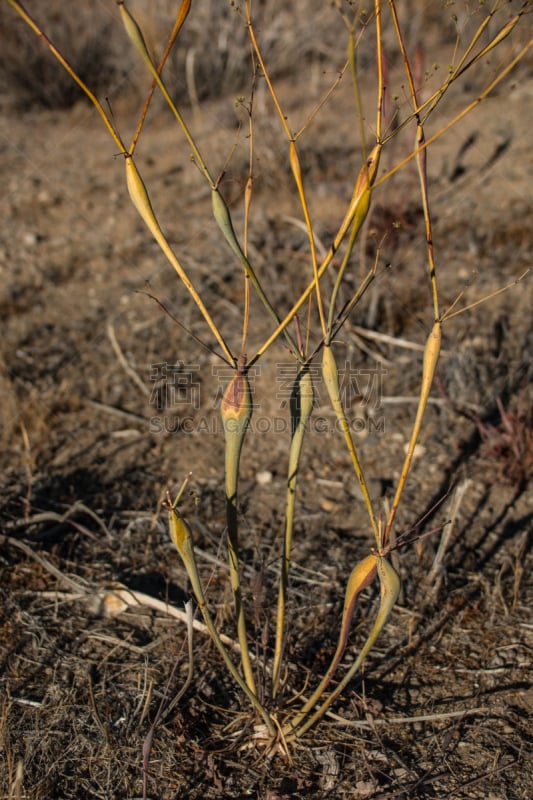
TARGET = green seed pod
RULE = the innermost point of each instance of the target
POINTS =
(390, 585)
(223, 220)
(301, 401)
(236, 408)
(134, 32)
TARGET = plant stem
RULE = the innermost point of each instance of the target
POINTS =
(236, 411)
(330, 375)
(301, 409)
(182, 538)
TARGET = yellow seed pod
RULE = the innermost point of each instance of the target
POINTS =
(361, 576)
(330, 373)
(140, 199)
(362, 193)
(181, 536)
(431, 356)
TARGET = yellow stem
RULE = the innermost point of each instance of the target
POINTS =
(330, 375)
(431, 357)
(141, 201)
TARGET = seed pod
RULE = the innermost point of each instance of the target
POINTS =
(330, 375)
(296, 168)
(135, 34)
(236, 410)
(390, 588)
(362, 193)
(361, 577)
(140, 199)
(301, 401)
(223, 220)
(181, 535)
(429, 365)
(431, 356)
(236, 407)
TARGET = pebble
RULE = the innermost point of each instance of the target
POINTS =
(418, 452)
(30, 238)
(264, 478)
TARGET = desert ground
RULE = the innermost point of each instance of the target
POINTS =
(107, 403)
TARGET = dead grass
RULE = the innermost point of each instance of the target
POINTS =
(213, 58)
(31, 78)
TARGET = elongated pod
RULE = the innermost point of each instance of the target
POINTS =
(361, 577)
(389, 590)
(429, 365)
